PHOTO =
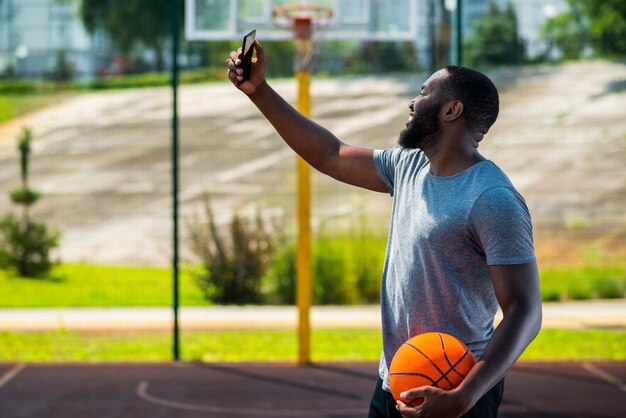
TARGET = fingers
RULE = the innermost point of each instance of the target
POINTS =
(233, 63)
(257, 69)
(235, 57)
(406, 411)
(419, 392)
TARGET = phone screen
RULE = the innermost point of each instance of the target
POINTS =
(247, 49)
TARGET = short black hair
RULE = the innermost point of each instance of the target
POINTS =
(478, 94)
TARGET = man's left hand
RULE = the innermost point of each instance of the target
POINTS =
(438, 403)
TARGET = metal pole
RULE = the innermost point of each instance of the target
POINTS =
(174, 84)
(303, 29)
(459, 32)
(304, 282)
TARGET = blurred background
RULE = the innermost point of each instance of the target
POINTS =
(86, 169)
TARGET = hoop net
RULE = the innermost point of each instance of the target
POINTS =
(307, 21)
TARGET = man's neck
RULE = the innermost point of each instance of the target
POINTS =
(451, 161)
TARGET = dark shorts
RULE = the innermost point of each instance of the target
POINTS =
(384, 406)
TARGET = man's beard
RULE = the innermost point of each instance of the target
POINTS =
(424, 130)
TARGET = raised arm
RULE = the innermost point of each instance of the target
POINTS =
(314, 143)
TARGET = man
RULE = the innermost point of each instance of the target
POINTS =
(460, 240)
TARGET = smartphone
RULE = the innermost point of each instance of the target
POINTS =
(247, 49)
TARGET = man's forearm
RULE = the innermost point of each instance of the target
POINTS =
(516, 331)
(311, 141)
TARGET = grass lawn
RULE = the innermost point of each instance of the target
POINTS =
(89, 285)
(12, 106)
(271, 345)
(81, 285)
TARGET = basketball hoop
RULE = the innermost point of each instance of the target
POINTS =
(307, 21)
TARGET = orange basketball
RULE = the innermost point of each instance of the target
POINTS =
(433, 359)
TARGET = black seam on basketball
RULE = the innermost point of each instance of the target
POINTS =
(458, 362)
(443, 375)
(452, 366)
(430, 379)
(443, 348)
(415, 400)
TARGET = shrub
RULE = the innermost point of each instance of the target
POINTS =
(347, 268)
(578, 283)
(233, 266)
(14, 87)
(330, 280)
(280, 282)
(26, 248)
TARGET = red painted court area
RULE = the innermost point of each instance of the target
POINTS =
(533, 390)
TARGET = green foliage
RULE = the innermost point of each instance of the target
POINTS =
(347, 269)
(280, 279)
(381, 57)
(131, 23)
(596, 24)
(24, 196)
(280, 55)
(8, 72)
(563, 283)
(25, 245)
(23, 145)
(330, 286)
(156, 79)
(496, 40)
(233, 267)
(62, 71)
(94, 285)
(567, 33)
(26, 248)
(18, 87)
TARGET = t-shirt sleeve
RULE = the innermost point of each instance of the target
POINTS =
(501, 224)
(385, 162)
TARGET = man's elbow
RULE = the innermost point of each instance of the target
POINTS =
(533, 314)
(529, 315)
(537, 320)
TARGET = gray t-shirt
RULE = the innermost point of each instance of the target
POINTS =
(444, 233)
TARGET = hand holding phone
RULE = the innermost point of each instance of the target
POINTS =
(247, 49)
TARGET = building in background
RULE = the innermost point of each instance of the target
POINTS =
(33, 33)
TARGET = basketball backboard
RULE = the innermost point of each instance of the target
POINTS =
(352, 19)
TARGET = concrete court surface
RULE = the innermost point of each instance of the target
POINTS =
(77, 390)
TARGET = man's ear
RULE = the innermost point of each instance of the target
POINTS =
(452, 110)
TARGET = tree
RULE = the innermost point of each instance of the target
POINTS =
(495, 40)
(567, 33)
(130, 23)
(596, 24)
(25, 245)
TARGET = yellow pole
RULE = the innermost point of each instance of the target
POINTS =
(303, 254)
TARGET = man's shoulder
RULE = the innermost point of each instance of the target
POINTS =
(493, 176)
(401, 157)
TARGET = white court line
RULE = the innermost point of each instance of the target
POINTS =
(142, 392)
(607, 377)
(6, 378)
